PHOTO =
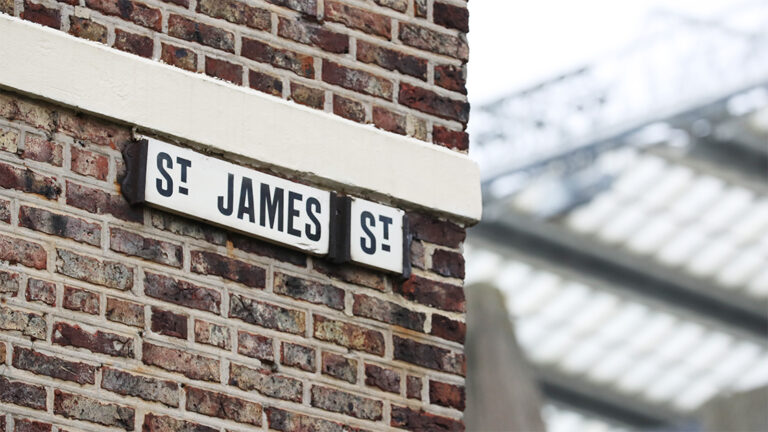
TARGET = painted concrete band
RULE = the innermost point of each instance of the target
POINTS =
(239, 121)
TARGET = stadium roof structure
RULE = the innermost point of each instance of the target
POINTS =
(626, 220)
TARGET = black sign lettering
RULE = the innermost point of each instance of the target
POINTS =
(367, 221)
(387, 221)
(166, 190)
(226, 210)
(246, 200)
(272, 205)
(293, 212)
(184, 163)
(313, 205)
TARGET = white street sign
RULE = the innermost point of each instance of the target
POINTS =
(376, 235)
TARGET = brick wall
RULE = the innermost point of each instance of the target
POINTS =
(122, 318)
(397, 64)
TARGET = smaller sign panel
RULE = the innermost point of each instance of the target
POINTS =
(376, 235)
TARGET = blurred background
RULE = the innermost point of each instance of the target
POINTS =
(619, 278)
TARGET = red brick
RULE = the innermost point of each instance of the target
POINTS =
(449, 329)
(392, 59)
(382, 378)
(5, 211)
(398, 5)
(360, 19)
(265, 83)
(192, 366)
(182, 3)
(53, 366)
(388, 312)
(23, 394)
(29, 324)
(287, 421)
(348, 108)
(209, 263)
(128, 10)
(431, 293)
(125, 312)
(92, 130)
(158, 423)
(181, 292)
(26, 180)
(412, 420)
(351, 274)
(348, 335)
(265, 382)
(307, 290)
(24, 252)
(300, 64)
(60, 225)
(84, 408)
(357, 80)
(413, 387)
(133, 43)
(150, 389)
(180, 57)
(168, 323)
(99, 342)
(432, 103)
(42, 15)
(445, 137)
(346, 403)
(339, 367)
(428, 356)
(447, 395)
(417, 255)
(313, 34)
(308, 7)
(211, 334)
(25, 425)
(223, 69)
(432, 230)
(267, 315)
(256, 346)
(311, 97)
(87, 29)
(298, 356)
(187, 29)
(436, 42)
(389, 120)
(452, 77)
(448, 263)
(223, 406)
(40, 149)
(263, 248)
(99, 202)
(42, 291)
(10, 282)
(236, 12)
(145, 247)
(90, 163)
(110, 274)
(81, 300)
(188, 228)
(450, 16)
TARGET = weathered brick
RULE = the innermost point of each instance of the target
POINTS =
(388, 312)
(211, 334)
(180, 57)
(223, 406)
(311, 291)
(448, 395)
(134, 43)
(449, 329)
(168, 323)
(87, 29)
(92, 130)
(313, 34)
(418, 259)
(452, 77)
(5, 211)
(26, 425)
(210, 263)
(110, 274)
(182, 3)
(60, 225)
(431, 293)
(392, 59)
(287, 421)
(179, 360)
(351, 274)
(265, 83)
(128, 10)
(158, 423)
(28, 324)
(382, 378)
(448, 263)
(428, 356)
(267, 315)
(10, 282)
(188, 228)
(360, 19)
(223, 69)
(389, 120)
(346, 403)
(458, 140)
(181, 292)
(413, 387)
(300, 64)
(410, 419)
(348, 335)
(99, 342)
(436, 42)
(148, 248)
(9, 140)
(265, 382)
(309, 96)
(2, 356)
(84, 408)
(308, 7)
(41, 291)
(398, 5)
(339, 367)
(23, 394)
(40, 14)
(236, 12)
(125, 312)
(348, 108)
(187, 29)
(256, 346)
(432, 103)
(450, 16)
(80, 300)
(53, 366)
(100, 202)
(151, 389)
(356, 80)
(6, 6)
(90, 163)
(40, 149)
(298, 356)
(26, 180)
(37, 114)
(436, 231)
